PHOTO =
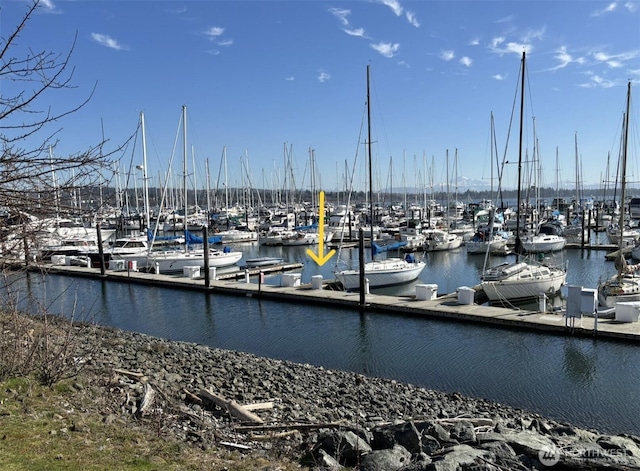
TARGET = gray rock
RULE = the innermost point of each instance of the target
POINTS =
(458, 457)
(345, 447)
(529, 442)
(385, 460)
(463, 432)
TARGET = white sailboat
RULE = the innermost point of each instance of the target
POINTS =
(625, 284)
(437, 240)
(168, 261)
(521, 279)
(544, 243)
(382, 272)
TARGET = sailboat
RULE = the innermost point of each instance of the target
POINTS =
(521, 279)
(625, 284)
(168, 261)
(383, 272)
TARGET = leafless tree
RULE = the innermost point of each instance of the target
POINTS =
(33, 179)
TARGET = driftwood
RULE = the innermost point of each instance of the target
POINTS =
(272, 436)
(258, 406)
(147, 399)
(475, 421)
(192, 397)
(295, 426)
(131, 374)
(236, 445)
(235, 409)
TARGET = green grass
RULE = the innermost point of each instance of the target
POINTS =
(61, 428)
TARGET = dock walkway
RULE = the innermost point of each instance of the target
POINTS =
(443, 307)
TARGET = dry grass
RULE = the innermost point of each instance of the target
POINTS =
(60, 428)
(57, 415)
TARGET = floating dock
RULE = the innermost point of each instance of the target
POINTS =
(442, 307)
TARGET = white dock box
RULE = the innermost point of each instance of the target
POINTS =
(191, 271)
(291, 279)
(58, 259)
(426, 292)
(116, 265)
(588, 301)
(466, 295)
(628, 311)
(316, 282)
(574, 299)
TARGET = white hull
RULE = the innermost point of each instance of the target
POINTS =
(237, 236)
(302, 239)
(387, 272)
(174, 261)
(495, 246)
(441, 240)
(544, 243)
(521, 281)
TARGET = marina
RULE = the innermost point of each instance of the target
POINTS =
(572, 376)
(456, 306)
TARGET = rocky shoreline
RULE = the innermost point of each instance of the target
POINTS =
(326, 419)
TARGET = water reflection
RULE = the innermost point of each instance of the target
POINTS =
(579, 362)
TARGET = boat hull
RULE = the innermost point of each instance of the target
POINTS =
(528, 283)
(381, 273)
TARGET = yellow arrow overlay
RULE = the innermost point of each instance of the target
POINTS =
(319, 258)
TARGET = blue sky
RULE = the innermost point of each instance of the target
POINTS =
(259, 77)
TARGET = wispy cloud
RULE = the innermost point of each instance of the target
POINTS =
(631, 6)
(214, 32)
(290, 78)
(355, 32)
(608, 9)
(394, 5)
(107, 41)
(341, 14)
(48, 6)
(596, 80)
(474, 42)
(466, 61)
(505, 19)
(398, 10)
(500, 46)
(447, 55)
(615, 60)
(499, 77)
(323, 77)
(564, 58)
(386, 49)
(411, 18)
(531, 34)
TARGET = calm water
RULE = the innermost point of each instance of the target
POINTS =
(587, 382)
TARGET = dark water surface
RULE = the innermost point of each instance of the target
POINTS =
(591, 383)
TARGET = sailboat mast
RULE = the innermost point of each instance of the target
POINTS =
(144, 172)
(369, 155)
(623, 180)
(184, 166)
(518, 241)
